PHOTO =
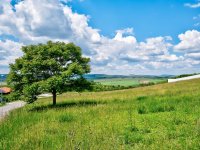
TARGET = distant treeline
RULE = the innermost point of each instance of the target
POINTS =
(185, 75)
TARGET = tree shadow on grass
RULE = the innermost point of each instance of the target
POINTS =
(67, 105)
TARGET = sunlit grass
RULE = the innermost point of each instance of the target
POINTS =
(165, 116)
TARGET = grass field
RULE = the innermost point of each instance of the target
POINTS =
(1, 104)
(164, 116)
(129, 81)
(3, 84)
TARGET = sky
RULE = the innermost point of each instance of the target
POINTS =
(120, 36)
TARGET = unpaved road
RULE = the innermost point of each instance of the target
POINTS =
(4, 110)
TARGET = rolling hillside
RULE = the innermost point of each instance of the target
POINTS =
(164, 116)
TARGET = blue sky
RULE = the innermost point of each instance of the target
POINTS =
(120, 36)
(149, 18)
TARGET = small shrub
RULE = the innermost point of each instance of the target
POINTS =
(178, 121)
(141, 98)
(161, 108)
(5, 99)
(13, 96)
(132, 129)
(156, 109)
(170, 108)
(142, 109)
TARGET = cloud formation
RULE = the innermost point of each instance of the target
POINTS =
(190, 42)
(32, 22)
(197, 5)
(9, 51)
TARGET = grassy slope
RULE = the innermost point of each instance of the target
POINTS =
(2, 104)
(127, 81)
(165, 116)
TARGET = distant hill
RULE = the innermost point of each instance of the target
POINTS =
(105, 76)
(167, 76)
(102, 76)
(3, 77)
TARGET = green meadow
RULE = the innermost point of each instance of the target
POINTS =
(1, 104)
(129, 81)
(164, 116)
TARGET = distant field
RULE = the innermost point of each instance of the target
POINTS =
(164, 116)
(3, 83)
(129, 81)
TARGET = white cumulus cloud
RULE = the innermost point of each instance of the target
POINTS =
(190, 41)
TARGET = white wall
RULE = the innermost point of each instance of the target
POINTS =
(184, 78)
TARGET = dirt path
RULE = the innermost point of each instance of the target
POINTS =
(4, 110)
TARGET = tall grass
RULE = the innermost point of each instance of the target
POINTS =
(165, 116)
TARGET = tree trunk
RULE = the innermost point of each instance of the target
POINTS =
(54, 96)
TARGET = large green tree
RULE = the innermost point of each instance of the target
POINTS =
(52, 67)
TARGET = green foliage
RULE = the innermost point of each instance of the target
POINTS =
(142, 109)
(2, 104)
(51, 67)
(31, 92)
(13, 96)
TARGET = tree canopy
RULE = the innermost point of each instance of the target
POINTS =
(52, 67)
